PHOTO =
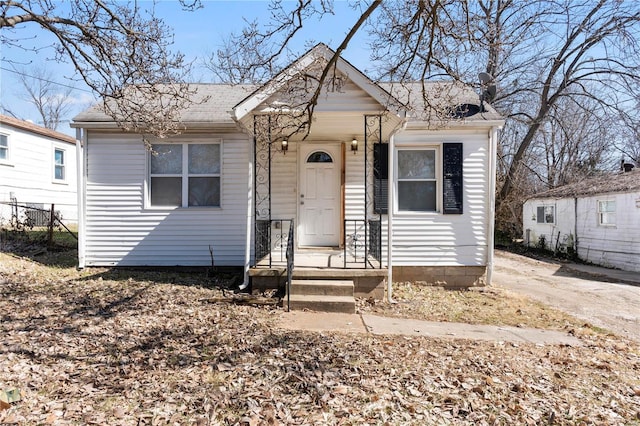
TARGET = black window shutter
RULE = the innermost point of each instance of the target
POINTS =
(452, 178)
(381, 178)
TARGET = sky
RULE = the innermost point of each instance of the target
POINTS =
(196, 34)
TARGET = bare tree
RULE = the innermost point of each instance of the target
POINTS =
(120, 50)
(44, 93)
(540, 53)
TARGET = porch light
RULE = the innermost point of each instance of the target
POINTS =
(354, 145)
(285, 146)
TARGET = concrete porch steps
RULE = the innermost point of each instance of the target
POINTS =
(322, 295)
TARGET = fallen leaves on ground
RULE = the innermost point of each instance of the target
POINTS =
(486, 305)
(96, 348)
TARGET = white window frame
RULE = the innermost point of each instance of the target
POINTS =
(185, 174)
(611, 215)
(7, 149)
(544, 215)
(63, 165)
(437, 179)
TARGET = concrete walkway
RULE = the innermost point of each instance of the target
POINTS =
(356, 323)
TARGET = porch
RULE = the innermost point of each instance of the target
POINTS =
(318, 207)
(318, 276)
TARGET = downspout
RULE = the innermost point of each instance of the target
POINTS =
(575, 226)
(493, 150)
(81, 141)
(390, 186)
(247, 251)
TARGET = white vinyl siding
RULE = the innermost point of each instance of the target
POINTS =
(122, 231)
(612, 246)
(436, 239)
(28, 173)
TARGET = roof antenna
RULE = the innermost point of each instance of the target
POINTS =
(487, 89)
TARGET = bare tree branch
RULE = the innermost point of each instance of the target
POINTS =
(116, 48)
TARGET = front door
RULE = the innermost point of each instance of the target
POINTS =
(319, 196)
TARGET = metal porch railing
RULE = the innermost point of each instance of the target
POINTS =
(363, 241)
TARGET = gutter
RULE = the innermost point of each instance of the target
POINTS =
(247, 251)
(81, 147)
(491, 225)
(390, 182)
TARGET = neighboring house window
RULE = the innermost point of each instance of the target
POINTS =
(546, 214)
(59, 164)
(185, 175)
(606, 213)
(4, 147)
(417, 184)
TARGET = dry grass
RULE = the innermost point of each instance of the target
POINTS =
(491, 305)
(114, 347)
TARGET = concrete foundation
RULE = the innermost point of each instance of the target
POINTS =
(442, 276)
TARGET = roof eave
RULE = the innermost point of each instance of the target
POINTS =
(189, 125)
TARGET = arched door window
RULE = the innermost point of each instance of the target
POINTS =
(319, 157)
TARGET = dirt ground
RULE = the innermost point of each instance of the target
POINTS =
(119, 347)
(615, 307)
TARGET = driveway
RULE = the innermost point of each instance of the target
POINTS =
(593, 297)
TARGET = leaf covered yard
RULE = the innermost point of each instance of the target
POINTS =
(105, 347)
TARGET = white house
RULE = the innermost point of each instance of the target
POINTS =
(37, 168)
(233, 184)
(599, 219)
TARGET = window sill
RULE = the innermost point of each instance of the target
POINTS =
(60, 182)
(416, 213)
(177, 208)
(6, 164)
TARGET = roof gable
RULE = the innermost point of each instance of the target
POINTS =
(317, 54)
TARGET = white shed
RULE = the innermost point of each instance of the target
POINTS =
(371, 185)
(598, 219)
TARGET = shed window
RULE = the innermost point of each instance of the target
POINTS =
(546, 214)
(59, 164)
(416, 183)
(606, 213)
(4, 147)
(185, 175)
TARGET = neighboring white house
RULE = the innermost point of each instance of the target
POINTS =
(37, 168)
(598, 218)
(232, 181)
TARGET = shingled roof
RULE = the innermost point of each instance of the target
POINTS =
(34, 128)
(212, 103)
(605, 184)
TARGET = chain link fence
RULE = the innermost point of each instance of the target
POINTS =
(35, 224)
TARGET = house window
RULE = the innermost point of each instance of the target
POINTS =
(4, 147)
(416, 183)
(185, 175)
(59, 164)
(606, 213)
(545, 214)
